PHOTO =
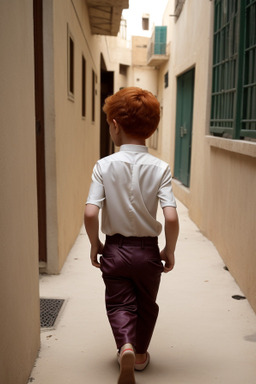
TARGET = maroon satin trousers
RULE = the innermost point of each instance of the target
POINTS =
(131, 269)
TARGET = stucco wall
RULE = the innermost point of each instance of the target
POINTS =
(19, 303)
(230, 213)
(72, 141)
(189, 48)
(220, 198)
(139, 50)
(77, 138)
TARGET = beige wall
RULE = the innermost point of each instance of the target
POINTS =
(139, 50)
(223, 173)
(189, 48)
(142, 75)
(72, 142)
(231, 210)
(19, 302)
(77, 138)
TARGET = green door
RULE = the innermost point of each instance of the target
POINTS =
(184, 117)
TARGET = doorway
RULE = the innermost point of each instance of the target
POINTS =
(107, 87)
(39, 118)
(184, 119)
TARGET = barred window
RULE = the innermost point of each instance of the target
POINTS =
(233, 110)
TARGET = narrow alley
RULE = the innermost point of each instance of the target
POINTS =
(60, 59)
(203, 335)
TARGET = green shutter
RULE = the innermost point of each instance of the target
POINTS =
(160, 40)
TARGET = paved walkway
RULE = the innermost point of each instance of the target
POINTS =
(202, 336)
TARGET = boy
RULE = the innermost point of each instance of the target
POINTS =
(127, 186)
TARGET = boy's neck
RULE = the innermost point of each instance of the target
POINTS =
(127, 139)
(134, 142)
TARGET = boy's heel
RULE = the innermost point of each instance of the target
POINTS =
(127, 361)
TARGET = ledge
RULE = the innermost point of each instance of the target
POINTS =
(241, 147)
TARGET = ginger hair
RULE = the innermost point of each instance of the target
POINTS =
(136, 110)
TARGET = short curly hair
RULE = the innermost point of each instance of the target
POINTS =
(135, 109)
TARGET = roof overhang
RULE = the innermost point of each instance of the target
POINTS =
(105, 15)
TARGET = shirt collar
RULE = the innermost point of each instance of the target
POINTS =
(133, 148)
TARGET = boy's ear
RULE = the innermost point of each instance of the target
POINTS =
(116, 126)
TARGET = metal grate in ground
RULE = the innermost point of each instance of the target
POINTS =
(49, 310)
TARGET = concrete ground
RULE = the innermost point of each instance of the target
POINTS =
(203, 335)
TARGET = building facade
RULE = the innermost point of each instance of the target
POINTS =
(55, 71)
(208, 127)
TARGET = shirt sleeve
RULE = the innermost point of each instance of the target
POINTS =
(96, 194)
(165, 193)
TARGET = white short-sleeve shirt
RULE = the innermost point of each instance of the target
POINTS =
(127, 186)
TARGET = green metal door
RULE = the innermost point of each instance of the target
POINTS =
(184, 117)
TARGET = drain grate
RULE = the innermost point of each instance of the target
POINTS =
(49, 310)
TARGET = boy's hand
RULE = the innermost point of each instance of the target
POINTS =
(169, 259)
(95, 251)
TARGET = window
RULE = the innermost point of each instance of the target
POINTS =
(83, 86)
(71, 67)
(166, 79)
(123, 69)
(93, 94)
(233, 112)
(145, 22)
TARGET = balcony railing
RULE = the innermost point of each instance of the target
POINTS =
(158, 53)
(158, 50)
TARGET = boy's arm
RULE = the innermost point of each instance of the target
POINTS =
(91, 222)
(171, 236)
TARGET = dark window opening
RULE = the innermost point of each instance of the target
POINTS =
(71, 66)
(166, 79)
(83, 86)
(123, 69)
(93, 95)
(145, 23)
